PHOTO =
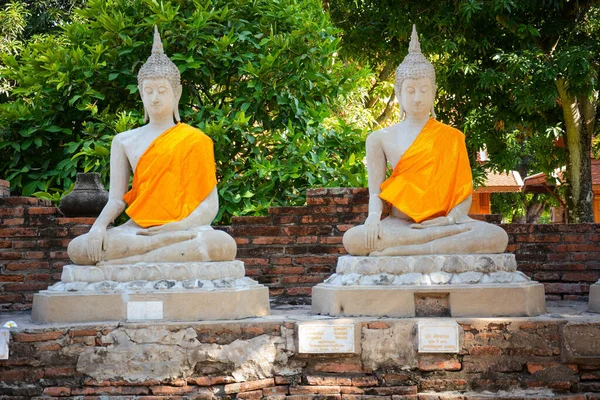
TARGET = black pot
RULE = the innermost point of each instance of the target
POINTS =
(88, 197)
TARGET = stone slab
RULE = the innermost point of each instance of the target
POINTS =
(188, 305)
(594, 299)
(581, 342)
(471, 300)
(319, 337)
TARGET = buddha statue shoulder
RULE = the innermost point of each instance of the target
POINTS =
(173, 198)
(431, 185)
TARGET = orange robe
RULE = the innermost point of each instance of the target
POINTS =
(173, 176)
(433, 176)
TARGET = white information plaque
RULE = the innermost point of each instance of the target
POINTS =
(326, 338)
(438, 337)
(144, 310)
(4, 340)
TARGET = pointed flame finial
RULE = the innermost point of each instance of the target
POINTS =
(414, 46)
(157, 47)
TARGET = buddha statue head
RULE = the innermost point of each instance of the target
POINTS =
(414, 67)
(159, 67)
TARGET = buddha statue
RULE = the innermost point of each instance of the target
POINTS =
(173, 198)
(427, 258)
(430, 187)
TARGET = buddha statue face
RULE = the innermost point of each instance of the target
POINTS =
(416, 74)
(159, 82)
(417, 97)
(158, 98)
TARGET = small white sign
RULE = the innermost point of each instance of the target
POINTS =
(438, 337)
(144, 310)
(4, 340)
(326, 338)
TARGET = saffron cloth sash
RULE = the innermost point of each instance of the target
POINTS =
(433, 176)
(173, 176)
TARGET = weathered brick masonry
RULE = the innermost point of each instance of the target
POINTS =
(290, 250)
(149, 361)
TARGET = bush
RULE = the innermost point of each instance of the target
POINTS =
(258, 77)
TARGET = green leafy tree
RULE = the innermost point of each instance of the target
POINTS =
(513, 75)
(259, 77)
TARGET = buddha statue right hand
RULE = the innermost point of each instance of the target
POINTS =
(97, 242)
(373, 230)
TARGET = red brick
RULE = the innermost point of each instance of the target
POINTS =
(562, 248)
(241, 241)
(283, 380)
(21, 375)
(11, 298)
(395, 379)
(12, 211)
(581, 276)
(378, 325)
(316, 380)
(307, 239)
(57, 391)
(171, 390)
(281, 261)
(12, 221)
(76, 221)
(38, 277)
(284, 271)
(365, 381)
(50, 347)
(253, 330)
(11, 278)
(267, 240)
(275, 390)
(255, 394)
(34, 254)
(42, 210)
(438, 363)
(83, 332)
(251, 220)
(10, 255)
(534, 367)
(395, 390)
(351, 390)
(299, 291)
(108, 390)
(338, 367)
(37, 337)
(248, 386)
(25, 287)
(314, 390)
(27, 265)
(55, 372)
(485, 351)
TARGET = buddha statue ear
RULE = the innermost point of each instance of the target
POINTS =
(177, 97)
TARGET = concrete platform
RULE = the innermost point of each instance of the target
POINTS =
(185, 305)
(594, 299)
(467, 300)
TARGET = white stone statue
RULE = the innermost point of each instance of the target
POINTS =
(184, 163)
(430, 188)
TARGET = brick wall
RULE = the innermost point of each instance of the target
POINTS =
(504, 354)
(33, 240)
(290, 250)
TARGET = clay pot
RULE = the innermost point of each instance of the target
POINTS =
(88, 197)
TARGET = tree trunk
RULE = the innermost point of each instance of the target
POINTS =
(579, 114)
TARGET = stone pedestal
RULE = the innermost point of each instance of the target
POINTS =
(594, 300)
(159, 291)
(459, 285)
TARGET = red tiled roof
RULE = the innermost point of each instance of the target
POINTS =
(501, 182)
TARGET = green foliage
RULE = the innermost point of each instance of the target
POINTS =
(257, 77)
(497, 63)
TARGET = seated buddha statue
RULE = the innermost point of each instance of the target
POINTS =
(173, 198)
(430, 187)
